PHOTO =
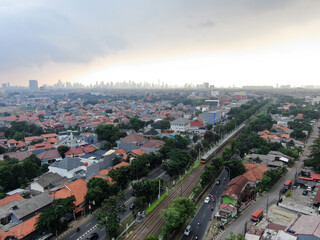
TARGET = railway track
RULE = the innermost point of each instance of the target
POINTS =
(152, 224)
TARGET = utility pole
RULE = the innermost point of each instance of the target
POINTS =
(267, 207)
(159, 191)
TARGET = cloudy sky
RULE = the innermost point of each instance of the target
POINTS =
(224, 42)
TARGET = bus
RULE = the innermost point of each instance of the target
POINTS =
(257, 215)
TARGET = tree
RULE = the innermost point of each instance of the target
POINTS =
(149, 189)
(109, 215)
(163, 124)
(62, 150)
(98, 190)
(235, 237)
(121, 176)
(51, 217)
(136, 124)
(44, 168)
(177, 213)
(2, 150)
(41, 117)
(109, 133)
(152, 238)
(236, 167)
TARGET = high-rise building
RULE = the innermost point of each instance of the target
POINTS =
(33, 85)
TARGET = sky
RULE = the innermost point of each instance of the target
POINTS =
(223, 42)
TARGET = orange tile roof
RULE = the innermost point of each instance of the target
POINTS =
(138, 152)
(4, 235)
(25, 228)
(109, 179)
(104, 172)
(287, 136)
(254, 172)
(52, 140)
(77, 188)
(74, 151)
(122, 152)
(9, 199)
(49, 135)
(122, 164)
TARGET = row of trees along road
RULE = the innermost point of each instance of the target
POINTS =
(174, 217)
(314, 158)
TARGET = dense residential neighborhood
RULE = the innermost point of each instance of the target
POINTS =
(81, 152)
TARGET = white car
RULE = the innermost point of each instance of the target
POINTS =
(207, 200)
(187, 231)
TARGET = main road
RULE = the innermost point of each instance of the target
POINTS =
(201, 221)
(237, 226)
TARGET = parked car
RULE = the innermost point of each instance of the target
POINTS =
(131, 206)
(218, 182)
(207, 200)
(187, 231)
(93, 236)
(305, 192)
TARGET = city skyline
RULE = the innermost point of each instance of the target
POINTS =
(234, 43)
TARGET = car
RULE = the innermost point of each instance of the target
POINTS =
(218, 182)
(131, 206)
(309, 189)
(207, 200)
(188, 230)
(305, 192)
(93, 236)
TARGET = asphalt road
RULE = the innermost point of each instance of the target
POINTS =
(237, 226)
(90, 224)
(207, 210)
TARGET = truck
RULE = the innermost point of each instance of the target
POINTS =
(287, 185)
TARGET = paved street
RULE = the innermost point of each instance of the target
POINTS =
(89, 224)
(237, 226)
(207, 209)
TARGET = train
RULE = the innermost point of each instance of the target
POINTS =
(205, 158)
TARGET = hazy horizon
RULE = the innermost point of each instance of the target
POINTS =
(224, 43)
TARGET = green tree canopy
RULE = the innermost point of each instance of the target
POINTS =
(50, 219)
(176, 215)
(109, 215)
(62, 150)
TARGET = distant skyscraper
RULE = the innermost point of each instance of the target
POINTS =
(33, 85)
(206, 85)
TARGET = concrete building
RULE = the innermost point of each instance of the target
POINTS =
(211, 117)
(33, 85)
(180, 125)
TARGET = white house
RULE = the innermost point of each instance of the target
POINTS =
(180, 125)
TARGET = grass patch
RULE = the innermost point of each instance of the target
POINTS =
(156, 203)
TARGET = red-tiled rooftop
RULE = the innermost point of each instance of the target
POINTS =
(77, 188)
(74, 151)
(9, 199)
(24, 229)
(138, 152)
(133, 138)
(153, 144)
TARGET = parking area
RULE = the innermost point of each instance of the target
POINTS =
(300, 196)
